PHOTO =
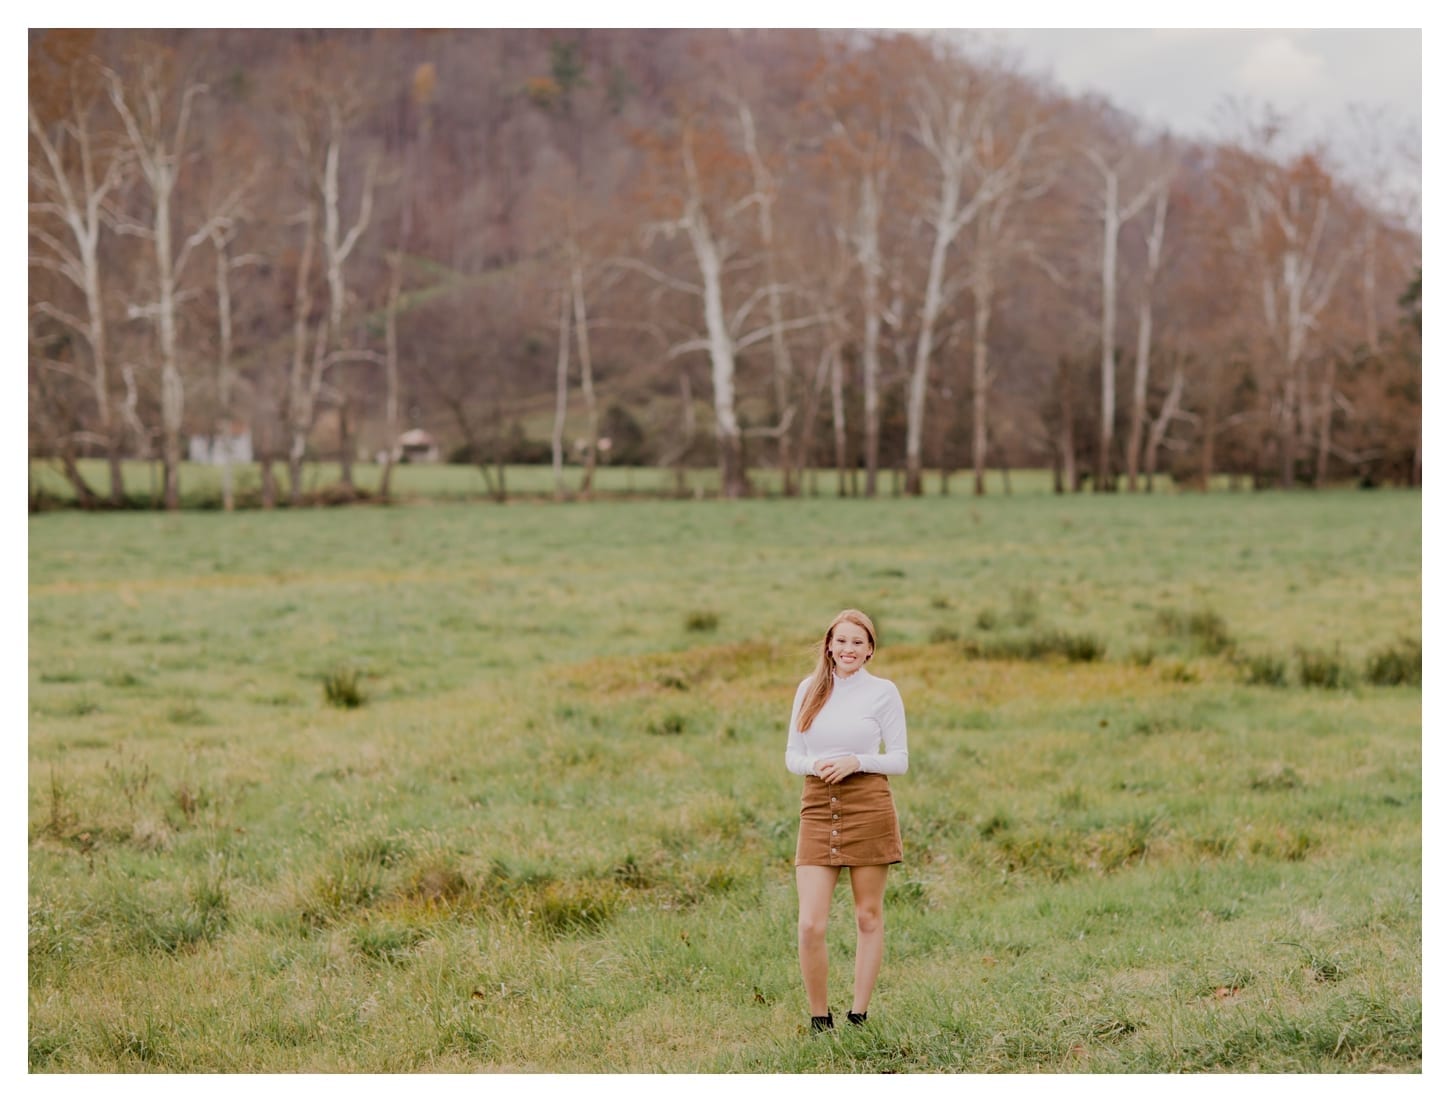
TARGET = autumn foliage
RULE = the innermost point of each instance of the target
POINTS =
(796, 249)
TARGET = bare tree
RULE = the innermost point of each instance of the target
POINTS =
(158, 137)
(72, 179)
(1285, 241)
(863, 144)
(766, 193)
(1001, 235)
(1145, 333)
(708, 211)
(222, 236)
(1115, 214)
(319, 136)
(956, 123)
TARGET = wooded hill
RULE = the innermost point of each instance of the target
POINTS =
(786, 248)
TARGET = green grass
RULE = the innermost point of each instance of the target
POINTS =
(200, 484)
(555, 833)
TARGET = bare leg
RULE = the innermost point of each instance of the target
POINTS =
(814, 885)
(868, 886)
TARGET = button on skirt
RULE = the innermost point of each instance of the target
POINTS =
(850, 824)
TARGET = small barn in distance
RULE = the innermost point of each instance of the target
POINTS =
(415, 446)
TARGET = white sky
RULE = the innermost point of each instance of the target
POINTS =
(1179, 77)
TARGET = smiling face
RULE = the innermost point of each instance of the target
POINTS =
(849, 646)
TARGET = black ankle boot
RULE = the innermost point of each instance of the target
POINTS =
(822, 1023)
(854, 1018)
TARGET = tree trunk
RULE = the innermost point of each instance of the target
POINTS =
(1326, 423)
(805, 439)
(722, 375)
(391, 427)
(586, 381)
(981, 382)
(1145, 338)
(838, 419)
(687, 431)
(1210, 437)
(870, 256)
(561, 395)
(346, 447)
(1067, 444)
(722, 346)
(784, 370)
(1287, 442)
(224, 365)
(1163, 420)
(921, 364)
(172, 389)
(269, 483)
(1109, 331)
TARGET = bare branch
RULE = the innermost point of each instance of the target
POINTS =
(364, 212)
(697, 344)
(353, 355)
(60, 367)
(654, 273)
(766, 331)
(69, 320)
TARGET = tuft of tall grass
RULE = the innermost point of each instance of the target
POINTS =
(385, 941)
(701, 620)
(1043, 645)
(1262, 669)
(1397, 664)
(202, 913)
(1277, 778)
(1324, 669)
(1204, 629)
(342, 687)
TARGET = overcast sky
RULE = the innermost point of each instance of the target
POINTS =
(1180, 77)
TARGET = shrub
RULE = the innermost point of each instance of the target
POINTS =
(1398, 664)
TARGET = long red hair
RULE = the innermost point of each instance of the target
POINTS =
(823, 680)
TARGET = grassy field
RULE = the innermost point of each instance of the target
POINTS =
(1163, 813)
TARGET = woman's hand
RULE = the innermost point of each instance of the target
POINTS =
(835, 770)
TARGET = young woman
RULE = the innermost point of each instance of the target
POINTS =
(847, 732)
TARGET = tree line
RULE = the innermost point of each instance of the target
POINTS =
(878, 252)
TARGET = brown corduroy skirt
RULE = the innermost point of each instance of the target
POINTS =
(850, 824)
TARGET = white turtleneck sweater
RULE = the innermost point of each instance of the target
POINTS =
(863, 715)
